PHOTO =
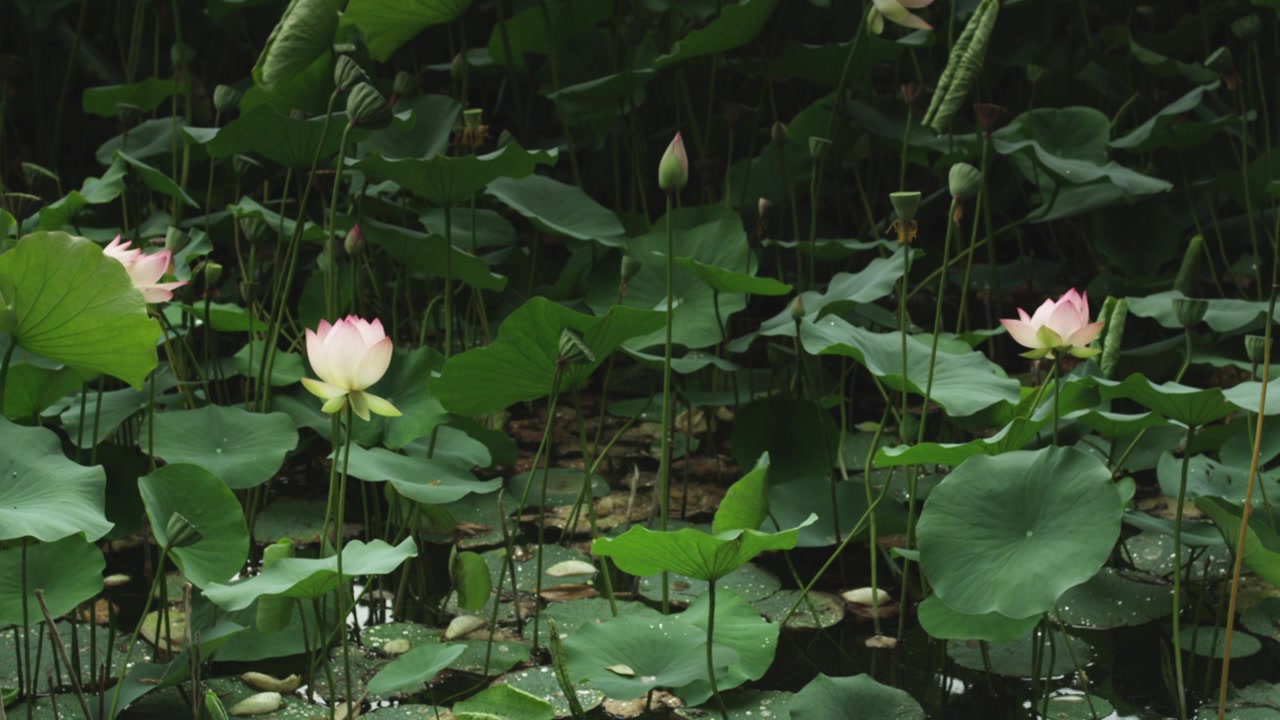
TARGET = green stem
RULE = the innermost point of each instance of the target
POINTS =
(448, 280)
(331, 276)
(1057, 394)
(133, 639)
(4, 374)
(937, 319)
(711, 666)
(1177, 574)
(664, 461)
(343, 609)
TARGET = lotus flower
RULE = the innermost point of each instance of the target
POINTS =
(145, 270)
(898, 13)
(673, 169)
(349, 356)
(1061, 326)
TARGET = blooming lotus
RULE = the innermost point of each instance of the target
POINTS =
(349, 356)
(898, 13)
(145, 270)
(1056, 327)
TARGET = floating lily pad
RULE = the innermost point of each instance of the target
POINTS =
(1013, 659)
(563, 486)
(541, 682)
(829, 609)
(1263, 619)
(505, 655)
(745, 705)
(1110, 599)
(411, 671)
(1212, 642)
(831, 697)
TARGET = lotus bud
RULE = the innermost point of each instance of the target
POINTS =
(911, 94)
(403, 85)
(181, 54)
(1221, 62)
(1247, 27)
(128, 113)
(347, 73)
(905, 204)
(1255, 347)
(353, 243)
(458, 67)
(990, 116)
(964, 181)
(673, 169)
(367, 108)
(1190, 311)
(797, 309)
(778, 133)
(212, 273)
(573, 349)
(1188, 278)
(181, 532)
(818, 147)
(226, 98)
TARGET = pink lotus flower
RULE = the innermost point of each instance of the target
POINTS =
(145, 270)
(1061, 326)
(673, 169)
(349, 356)
(898, 13)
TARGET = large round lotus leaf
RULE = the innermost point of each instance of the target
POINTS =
(943, 623)
(1011, 533)
(1111, 600)
(856, 698)
(77, 306)
(244, 449)
(68, 571)
(1014, 659)
(425, 481)
(692, 552)
(211, 508)
(43, 494)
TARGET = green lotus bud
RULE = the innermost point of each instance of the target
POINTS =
(1190, 311)
(181, 54)
(818, 147)
(673, 169)
(181, 532)
(1188, 278)
(1247, 27)
(905, 204)
(778, 133)
(964, 181)
(1255, 347)
(1115, 334)
(1221, 61)
(212, 273)
(226, 98)
(797, 309)
(367, 108)
(573, 349)
(402, 86)
(175, 240)
(353, 243)
(458, 66)
(347, 73)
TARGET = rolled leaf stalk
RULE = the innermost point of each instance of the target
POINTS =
(963, 66)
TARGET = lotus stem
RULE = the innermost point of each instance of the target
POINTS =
(4, 374)
(1246, 511)
(1177, 575)
(711, 631)
(343, 609)
(664, 460)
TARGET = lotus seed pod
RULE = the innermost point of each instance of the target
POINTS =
(226, 98)
(964, 181)
(367, 108)
(1188, 278)
(1255, 346)
(1190, 311)
(212, 273)
(905, 204)
(1115, 334)
(347, 73)
(403, 85)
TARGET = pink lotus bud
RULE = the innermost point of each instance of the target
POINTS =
(673, 170)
